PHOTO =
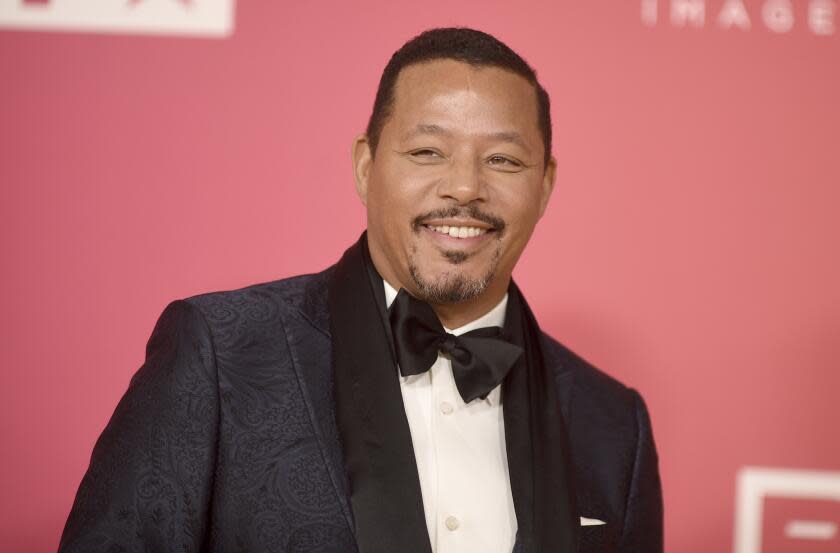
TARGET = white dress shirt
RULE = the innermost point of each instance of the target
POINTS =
(461, 455)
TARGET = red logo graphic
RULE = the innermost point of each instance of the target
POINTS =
(780, 510)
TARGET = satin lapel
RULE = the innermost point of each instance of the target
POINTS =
(309, 347)
(547, 494)
(564, 380)
(384, 486)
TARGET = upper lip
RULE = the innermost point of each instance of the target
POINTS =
(458, 223)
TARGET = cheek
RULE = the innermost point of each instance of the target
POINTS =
(399, 194)
(393, 203)
(521, 214)
(520, 221)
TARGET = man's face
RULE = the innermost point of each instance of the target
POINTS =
(458, 182)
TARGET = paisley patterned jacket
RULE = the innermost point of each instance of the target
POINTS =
(226, 441)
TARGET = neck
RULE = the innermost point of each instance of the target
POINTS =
(451, 315)
(454, 315)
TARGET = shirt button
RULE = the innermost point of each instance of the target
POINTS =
(446, 408)
(452, 523)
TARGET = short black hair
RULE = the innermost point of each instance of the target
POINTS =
(471, 46)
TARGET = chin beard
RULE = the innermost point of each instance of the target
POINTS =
(451, 287)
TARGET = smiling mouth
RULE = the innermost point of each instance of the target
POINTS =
(458, 232)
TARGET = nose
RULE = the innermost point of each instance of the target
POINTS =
(463, 182)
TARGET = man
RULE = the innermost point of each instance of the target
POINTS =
(403, 400)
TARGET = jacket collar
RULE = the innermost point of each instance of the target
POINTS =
(311, 356)
(312, 305)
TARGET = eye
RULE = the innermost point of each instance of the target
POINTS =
(425, 155)
(504, 162)
(425, 152)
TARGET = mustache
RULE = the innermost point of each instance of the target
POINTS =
(471, 211)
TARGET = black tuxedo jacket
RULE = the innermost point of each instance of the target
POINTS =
(226, 439)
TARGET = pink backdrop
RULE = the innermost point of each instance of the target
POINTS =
(690, 249)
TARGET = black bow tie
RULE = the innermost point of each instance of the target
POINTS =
(480, 358)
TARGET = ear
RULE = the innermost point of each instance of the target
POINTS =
(548, 183)
(362, 161)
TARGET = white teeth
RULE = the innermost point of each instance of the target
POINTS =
(459, 232)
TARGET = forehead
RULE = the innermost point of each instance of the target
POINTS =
(454, 93)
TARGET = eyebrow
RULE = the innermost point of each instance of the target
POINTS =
(504, 136)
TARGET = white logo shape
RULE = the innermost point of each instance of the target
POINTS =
(209, 18)
(755, 484)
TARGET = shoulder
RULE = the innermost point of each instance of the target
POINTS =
(258, 312)
(597, 403)
(287, 293)
(596, 384)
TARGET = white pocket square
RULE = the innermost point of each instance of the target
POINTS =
(590, 521)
